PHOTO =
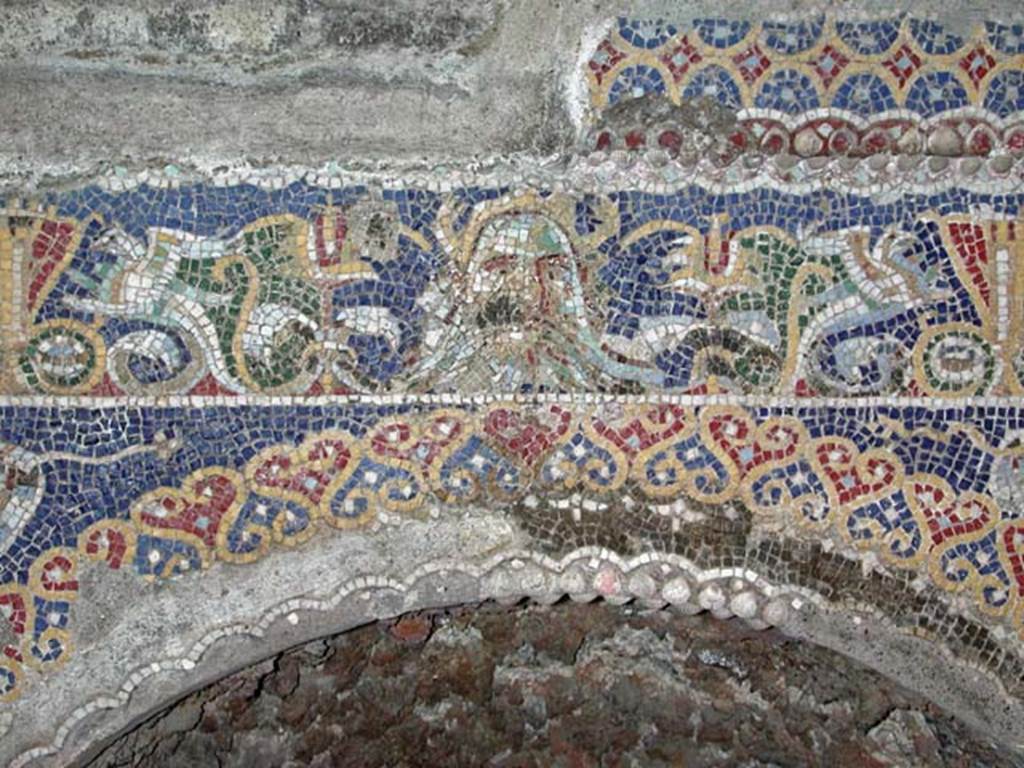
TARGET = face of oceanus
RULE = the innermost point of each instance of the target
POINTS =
(520, 275)
(522, 304)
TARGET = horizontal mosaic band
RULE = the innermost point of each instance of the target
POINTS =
(817, 136)
(822, 85)
(303, 290)
(164, 491)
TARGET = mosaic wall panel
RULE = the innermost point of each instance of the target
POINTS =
(202, 373)
(801, 375)
(822, 85)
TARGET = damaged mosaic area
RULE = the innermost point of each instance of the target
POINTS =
(545, 685)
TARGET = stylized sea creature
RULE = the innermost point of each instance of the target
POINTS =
(142, 284)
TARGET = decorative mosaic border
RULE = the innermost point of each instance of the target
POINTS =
(303, 290)
(595, 173)
(821, 85)
(165, 491)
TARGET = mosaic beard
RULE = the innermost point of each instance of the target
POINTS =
(527, 347)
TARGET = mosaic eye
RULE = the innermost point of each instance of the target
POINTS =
(62, 356)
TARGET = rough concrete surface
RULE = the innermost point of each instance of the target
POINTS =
(565, 685)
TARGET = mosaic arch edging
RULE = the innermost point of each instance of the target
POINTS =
(652, 580)
(587, 573)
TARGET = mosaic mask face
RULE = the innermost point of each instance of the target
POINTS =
(519, 309)
(521, 276)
